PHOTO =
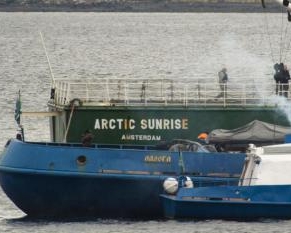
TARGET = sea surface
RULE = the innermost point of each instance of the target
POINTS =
(128, 45)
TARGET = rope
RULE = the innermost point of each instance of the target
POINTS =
(69, 123)
(287, 44)
(284, 43)
(268, 34)
(281, 37)
(72, 104)
(287, 49)
(48, 60)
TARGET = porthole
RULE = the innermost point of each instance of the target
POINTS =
(81, 160)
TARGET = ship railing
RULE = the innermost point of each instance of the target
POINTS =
(121, 92)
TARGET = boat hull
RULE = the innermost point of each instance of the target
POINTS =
(45, 195)
(270, 201)
(50, 180)
(215, 210)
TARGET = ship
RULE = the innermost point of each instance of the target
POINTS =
(121, 171)
(62, 180)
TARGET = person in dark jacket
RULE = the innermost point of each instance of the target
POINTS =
(87, 138)
(285, 81)
(278, 77)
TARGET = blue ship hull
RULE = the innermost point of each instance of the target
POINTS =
(230, 202)
(68, 180)
(46, 195)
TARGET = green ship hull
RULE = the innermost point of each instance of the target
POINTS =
(151, 125)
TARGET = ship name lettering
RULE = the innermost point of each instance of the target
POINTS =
(164, 124)
(114, 124)
(144, 124)
(157, 159)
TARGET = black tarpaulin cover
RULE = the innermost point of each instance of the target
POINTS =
(255, 131)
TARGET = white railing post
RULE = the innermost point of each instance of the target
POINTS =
(107, 90)
(125, 93)
(186, 96)
(162, 91)
(87, 92)
(63, 92)
(59, 90)
(199, 90)
(205, 95)
(224, 94)
(147, 92)
(68, 93)
(244, 95)
(57, 93)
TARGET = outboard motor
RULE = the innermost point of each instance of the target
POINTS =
(185, 182)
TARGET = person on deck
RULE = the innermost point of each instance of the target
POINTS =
(87, 138)
(278, 77)
(282, 78)
(222, 80)
(285, 81)
(203, 137)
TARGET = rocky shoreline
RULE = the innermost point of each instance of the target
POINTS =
(154, 6)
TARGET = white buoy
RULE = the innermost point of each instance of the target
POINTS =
(171, 185)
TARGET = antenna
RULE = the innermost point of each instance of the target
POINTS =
(48, 60)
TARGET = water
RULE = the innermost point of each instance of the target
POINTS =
(127, 45)
(171, 226)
